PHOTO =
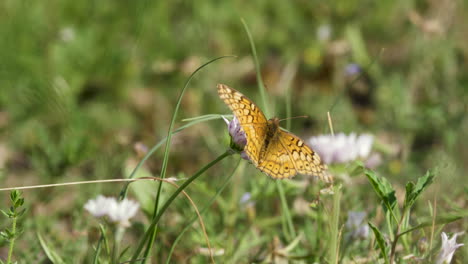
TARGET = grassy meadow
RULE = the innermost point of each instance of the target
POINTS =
(101, 90)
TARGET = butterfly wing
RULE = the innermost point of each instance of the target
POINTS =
(286, 154)
(305, 160)
(251, 118)
(277, 162)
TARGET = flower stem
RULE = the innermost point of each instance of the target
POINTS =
(117, 238)
(161, 211)
(12, 240)
(396, 237)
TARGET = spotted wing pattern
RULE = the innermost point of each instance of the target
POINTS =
(286, 154)
(306, 161)
(251, 118)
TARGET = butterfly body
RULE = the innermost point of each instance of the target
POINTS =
(273, 150)
(271, 134)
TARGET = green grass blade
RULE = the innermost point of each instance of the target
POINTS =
(51, 254)
(263, 94)
(261, 86)
(202, 211)
(334, 227)
(99, 245)
(155, 220)
(380, 241)
(192, 121)
(168, 144)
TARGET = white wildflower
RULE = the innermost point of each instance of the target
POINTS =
(118, 211)
(342, 148)
(448, 248)
(67, 34)
(324, 32)
(122, 211)
(99, 206)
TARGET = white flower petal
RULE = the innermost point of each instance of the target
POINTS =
(119, 212)
(342, 148)
(99, 206)
(448, 248)
(122, 211)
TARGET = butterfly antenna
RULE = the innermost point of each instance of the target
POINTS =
(294, 117)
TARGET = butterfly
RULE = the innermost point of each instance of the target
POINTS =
(273, 150)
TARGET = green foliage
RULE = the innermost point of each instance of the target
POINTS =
(400, 226)
(15, 212)
(51, 253)
(81, 82)
(383, 189)
(414, 190)
(380, 242)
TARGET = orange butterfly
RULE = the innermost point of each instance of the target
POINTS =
(270, 148)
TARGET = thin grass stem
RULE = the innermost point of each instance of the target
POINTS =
(208, 205)
(156, 219)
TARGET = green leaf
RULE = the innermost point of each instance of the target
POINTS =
(51, 254)
(6, 234)
(440, 220)
(144, 189)
(18, 203)
(21, 213)
(383, 189)
(14, 195)
(357, 168)
(97, 251)
(413, 191)
(5, 213)
(380, 241)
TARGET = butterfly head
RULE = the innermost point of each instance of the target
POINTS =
(274, 121)
(273, 126)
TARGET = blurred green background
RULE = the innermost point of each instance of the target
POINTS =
(81, 82)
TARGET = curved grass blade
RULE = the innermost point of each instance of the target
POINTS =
(192, 121)
(261, 87)
(168, 144)
(152, 227)
(208, 205)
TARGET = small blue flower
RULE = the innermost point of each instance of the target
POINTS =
(356, 226)
(246, 197)
(352, 69)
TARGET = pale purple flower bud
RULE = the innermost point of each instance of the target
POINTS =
(448, 248)
(356, 226)
(238, 138)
